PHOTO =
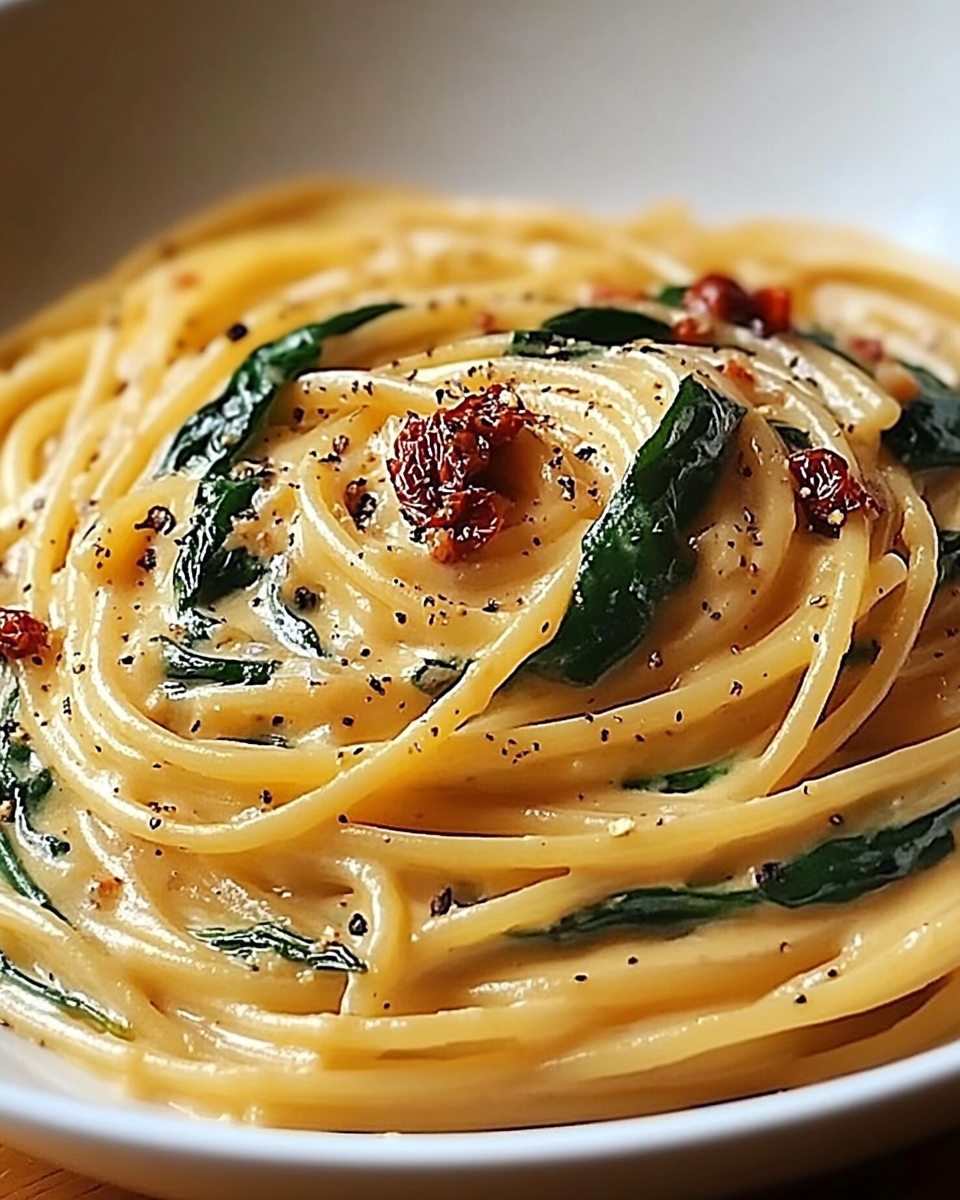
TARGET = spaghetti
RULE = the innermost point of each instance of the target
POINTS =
(459, 649)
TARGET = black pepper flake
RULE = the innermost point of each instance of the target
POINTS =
(266, 796)
(580, 978)
(277, 720)
(159, 518)
(154, 822)
(770, 872)
(441, 904)
(491, 606)
(148, 560)
(604, 735)
(632, 960)
(800, 1000)
(567, 486)
(357, 925)
(305, 599)
(237, 331)
(126, 661)
(343, 819)
(377, 686)
(348, 721)
(401, 618)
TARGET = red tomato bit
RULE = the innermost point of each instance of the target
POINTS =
(827, 490)
(21, 635)
(436, 461)
(765, 311)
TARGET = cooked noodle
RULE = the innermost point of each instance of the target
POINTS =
(384, 784)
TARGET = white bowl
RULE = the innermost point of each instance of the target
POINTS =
(117, 117)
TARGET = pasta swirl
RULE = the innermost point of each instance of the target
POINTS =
(456, 646)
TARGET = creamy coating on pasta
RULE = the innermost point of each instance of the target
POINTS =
(457, 649)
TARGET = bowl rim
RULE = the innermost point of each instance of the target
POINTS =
(137, 1124)
(142, 1125)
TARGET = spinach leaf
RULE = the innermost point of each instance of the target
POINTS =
(293, 632)
(204, 570)
(215, 437)
(190, 667)
(582, 332)
(536, 343)
(845, 868)
(435, 676)
(792, 437)
(24, 780)
(672, 295)
(680, 782)
(635, 555)
(663, 910)
(72, 1002)
(927, 433)
(835, 872)
(948, 556)
(24, 783)
(270, 937)
(608, 326)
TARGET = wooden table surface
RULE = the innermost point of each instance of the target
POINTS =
(924, 1172)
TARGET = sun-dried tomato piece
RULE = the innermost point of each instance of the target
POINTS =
(766, 311)
(21, 634)
(827, 490)
(437, 457)
(867, 348)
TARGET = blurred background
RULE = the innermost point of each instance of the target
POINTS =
(118, 115)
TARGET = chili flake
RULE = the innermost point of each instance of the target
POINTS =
(436, 460)
(21, 635)
(827, 490)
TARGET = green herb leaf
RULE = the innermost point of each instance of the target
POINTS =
(835, 872)
(634, 555)
(608, 326)
(24, 783)
(189, 667)
(270, 937)
(292, 631)
(927, 433)
(660, 910)
(845, 868)
(435, 676)
(792, 437)
(74, 1003)
(204, 570)
(672, 295)
(213, 439)
(948, 557)
(680, 782)
(536, 343)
